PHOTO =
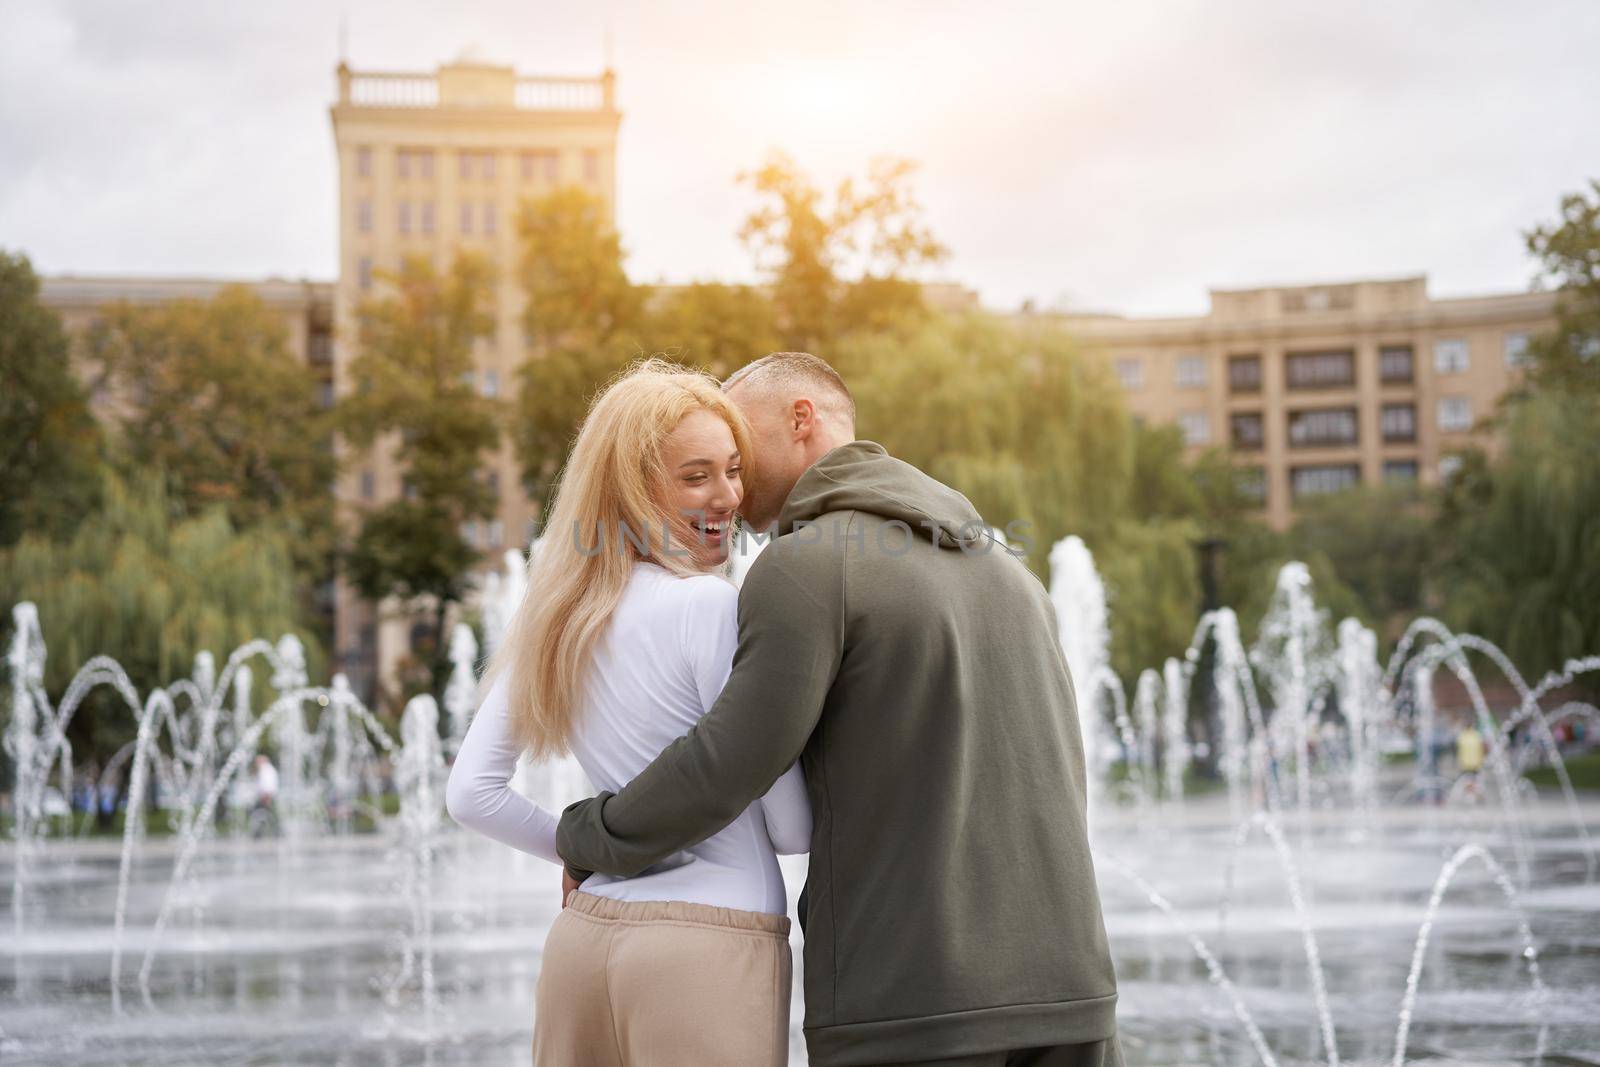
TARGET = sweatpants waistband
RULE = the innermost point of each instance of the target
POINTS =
(678, 911)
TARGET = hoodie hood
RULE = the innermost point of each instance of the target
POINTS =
(862, 476)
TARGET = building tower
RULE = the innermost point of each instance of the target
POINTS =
(429, 164)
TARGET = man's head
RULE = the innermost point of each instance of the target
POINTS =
(799, 410)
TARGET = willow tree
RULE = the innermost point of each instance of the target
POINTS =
(1521, 535)
(143, 582)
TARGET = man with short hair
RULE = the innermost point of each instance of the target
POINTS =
(912, 664)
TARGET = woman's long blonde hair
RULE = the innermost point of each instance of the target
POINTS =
(608, 513)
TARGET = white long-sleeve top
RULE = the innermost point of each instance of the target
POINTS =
(664, 657)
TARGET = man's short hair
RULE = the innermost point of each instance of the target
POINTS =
(787, 372)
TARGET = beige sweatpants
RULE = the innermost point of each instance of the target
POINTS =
(662, 983)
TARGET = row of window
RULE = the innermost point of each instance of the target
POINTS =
(1324, 427)
(418, 217)
(1324, 369)
(1322, 478)
(542, 165)
(1336, 477)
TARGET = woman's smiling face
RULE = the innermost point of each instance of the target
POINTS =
(703, 487)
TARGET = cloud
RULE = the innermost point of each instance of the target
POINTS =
(1128, 155)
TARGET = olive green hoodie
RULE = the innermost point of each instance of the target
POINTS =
(913, 666)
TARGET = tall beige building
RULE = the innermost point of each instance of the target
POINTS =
(1317, 388)
(430, 163)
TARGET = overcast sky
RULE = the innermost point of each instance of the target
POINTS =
(1123, 156)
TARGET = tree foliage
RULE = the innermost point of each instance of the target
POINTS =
(208, 392)
(717, 328)
(842, 263)
(1522, 535)
(144, 581)
(49, 441)
(416, 393)
(581, 320)
(1568, 357)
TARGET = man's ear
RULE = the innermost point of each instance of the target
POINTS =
(803, 419)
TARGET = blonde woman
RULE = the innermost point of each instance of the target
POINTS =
(624, 639)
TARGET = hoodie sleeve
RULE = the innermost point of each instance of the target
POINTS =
(791, 640)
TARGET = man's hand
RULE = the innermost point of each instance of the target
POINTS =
(569, 885)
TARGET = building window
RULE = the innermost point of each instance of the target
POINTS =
(1395, 364)
(1326, 426)
(1455, 414)
(497, 533)
(491, 383)
(1322, 479)
(1196, 427)
(427, 216)
(364, 162)
(425, 163)
(1245, 430)
(1517, 349)
(364, 272)
(1244, 374)
(488, 218)
(364, 216)
(1449, 466)
(1399, 472)
(402, 162)
(1191, 372)
(368, 485)
(465, 165)
(319, 349)
(1130, 372)
(492, 479)
(1398, 422)
(1321, 370)
(405, 216)
(1451, 357)
(541, 166)
(466, 218)
(1252, 482)
(591, 166)
(325, 395)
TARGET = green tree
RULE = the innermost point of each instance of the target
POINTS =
(1568, 357)
(1379, 542)
(49, 441)
(208, 392)
(842, 263)
(144, 581)
(581, 318)
(1522, 535)
(717, 328)
(415, 390)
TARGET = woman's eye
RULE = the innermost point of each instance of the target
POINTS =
(733, 472)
